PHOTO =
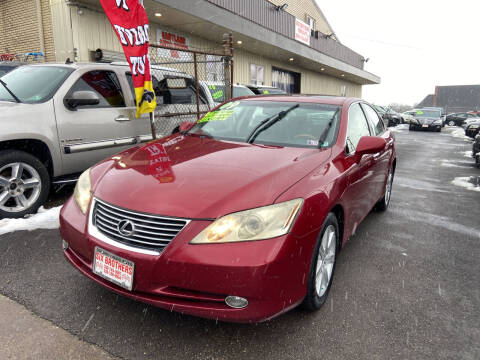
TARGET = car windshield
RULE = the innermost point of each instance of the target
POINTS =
(33, 84)
(301, 126)
(427, 113)
(218, 92)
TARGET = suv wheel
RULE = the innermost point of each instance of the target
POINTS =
(24, 184)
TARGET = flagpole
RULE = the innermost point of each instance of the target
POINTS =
(152, 125)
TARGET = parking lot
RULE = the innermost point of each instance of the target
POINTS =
(406, 284)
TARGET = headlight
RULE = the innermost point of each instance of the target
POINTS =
(82, 192)
(255, 224)
(473, 126)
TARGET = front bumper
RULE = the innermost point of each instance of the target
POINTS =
(195, 279)
(427, 127)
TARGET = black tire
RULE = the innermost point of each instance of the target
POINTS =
(382, 204)
(411, 127)
(14, 156)
(451, 123)
(439, 130)
(312, 300)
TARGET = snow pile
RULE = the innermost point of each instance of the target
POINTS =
(398, 128)
(43, 219)
(460, 133)
(466, 183)
(467, 153)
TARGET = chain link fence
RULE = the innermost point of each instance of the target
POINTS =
(188, 83)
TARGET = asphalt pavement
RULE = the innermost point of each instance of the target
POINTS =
(407, 284)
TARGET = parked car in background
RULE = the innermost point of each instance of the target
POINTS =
(473, 128)
(476, 150)
(7, 66)
(216, 91)
(458, 119)
(390, 117)
(442, 112)
(426, 119)
(56, 120)
(233, 199)
(266, 90)
(408, 116)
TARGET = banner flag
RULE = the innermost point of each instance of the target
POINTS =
(130, 22)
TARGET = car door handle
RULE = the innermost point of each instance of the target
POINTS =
(376, 156)
(122, 118)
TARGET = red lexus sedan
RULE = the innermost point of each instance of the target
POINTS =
(239, 217)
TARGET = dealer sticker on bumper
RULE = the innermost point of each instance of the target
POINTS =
(113, 268)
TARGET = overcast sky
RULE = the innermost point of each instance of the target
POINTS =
(412, 45)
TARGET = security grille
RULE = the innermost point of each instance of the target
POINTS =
(144, 231)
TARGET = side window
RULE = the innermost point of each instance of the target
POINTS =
(356, 128)
(128, 75)
(376, 122)
(105, 85)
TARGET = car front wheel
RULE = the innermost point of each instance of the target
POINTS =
(24, 184)
(323, 264)
(451, 123)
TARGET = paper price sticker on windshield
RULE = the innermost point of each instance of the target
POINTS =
(113, 268)
(216, 116)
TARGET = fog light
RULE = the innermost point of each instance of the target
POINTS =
(64, 245)
(236, 302)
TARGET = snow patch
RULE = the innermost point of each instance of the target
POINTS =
(460, 133)
(43, 219)
(398, 128)
(467, 182)
(467, 154)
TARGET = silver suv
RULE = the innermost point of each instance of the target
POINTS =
(56, 120)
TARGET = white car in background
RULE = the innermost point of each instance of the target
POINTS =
(215, 91)
(408, 116)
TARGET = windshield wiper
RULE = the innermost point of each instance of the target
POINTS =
(11, 93)
(265, 124)
(324, 135)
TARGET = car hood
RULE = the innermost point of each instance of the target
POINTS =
(194, 177)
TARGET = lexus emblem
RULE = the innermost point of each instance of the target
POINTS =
(126, 227)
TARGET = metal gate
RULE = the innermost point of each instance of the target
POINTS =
(189, 82)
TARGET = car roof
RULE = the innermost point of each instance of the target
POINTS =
(219, 83)
(318, 99)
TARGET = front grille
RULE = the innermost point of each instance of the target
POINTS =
(150, 232)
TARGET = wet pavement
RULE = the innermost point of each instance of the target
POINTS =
(406, 285)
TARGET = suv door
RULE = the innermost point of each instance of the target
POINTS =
(91, 133)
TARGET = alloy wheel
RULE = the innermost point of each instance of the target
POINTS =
(20, 187)
(451, 123)
(325, 260)
(388, 187)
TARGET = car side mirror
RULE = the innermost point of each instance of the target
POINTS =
(185, 126)
(370, 145)
(81, 98)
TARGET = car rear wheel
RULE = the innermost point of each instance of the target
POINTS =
(24, 184)
(451, 123)
(382, 204)
(323, 264)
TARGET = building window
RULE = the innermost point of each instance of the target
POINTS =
(311, 22)
(343, 90)
(256, 74)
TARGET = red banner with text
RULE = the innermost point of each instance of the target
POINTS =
(130, 22)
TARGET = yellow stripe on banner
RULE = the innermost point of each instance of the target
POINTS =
(149, 102)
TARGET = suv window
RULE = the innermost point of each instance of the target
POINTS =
(172, 96)
(356, 128)
(103, 83)
(375, 121)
